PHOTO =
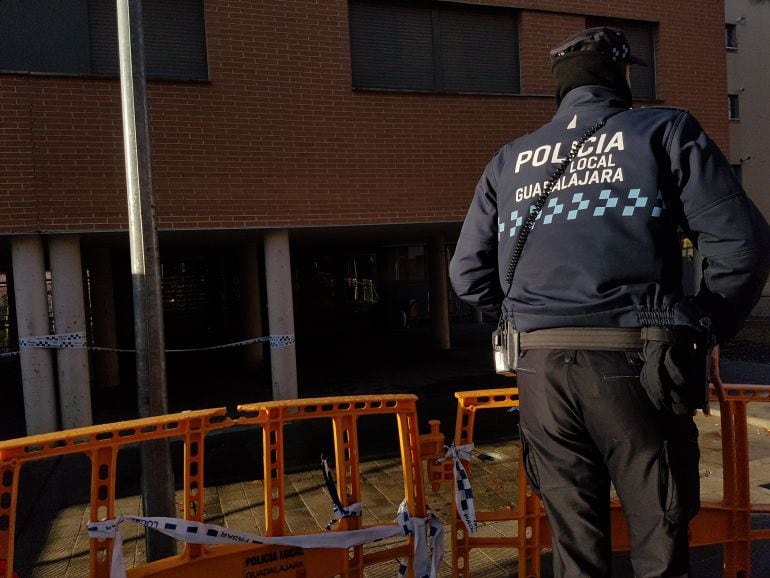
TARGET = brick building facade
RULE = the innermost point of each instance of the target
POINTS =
(276, 138)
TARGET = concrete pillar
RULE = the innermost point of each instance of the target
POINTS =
(70, 317)
(439, 297)
(280, 313)
(13, 334)
(37, 375)
(251, 305)
(105, 363)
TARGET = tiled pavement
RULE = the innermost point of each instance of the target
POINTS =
(53, 541)
(51, 529)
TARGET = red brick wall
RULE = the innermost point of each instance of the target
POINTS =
(278, 137)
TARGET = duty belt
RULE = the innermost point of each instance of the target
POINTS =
(590, 338)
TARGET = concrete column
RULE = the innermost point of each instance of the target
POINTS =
(439, 297)
(280, 313)
(106, 367)
(70, 317)
(13, 333)
(251, 305)
(37, 375)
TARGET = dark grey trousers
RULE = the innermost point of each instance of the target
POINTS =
(586, 422)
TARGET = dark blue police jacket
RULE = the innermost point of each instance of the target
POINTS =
(605, 249)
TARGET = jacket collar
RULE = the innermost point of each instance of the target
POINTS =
(587, 98)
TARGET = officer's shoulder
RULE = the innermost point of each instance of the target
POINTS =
(659, 109)
(514, 145)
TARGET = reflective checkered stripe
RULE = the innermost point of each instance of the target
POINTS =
(463, 490)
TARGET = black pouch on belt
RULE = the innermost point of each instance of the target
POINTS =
(676, 368)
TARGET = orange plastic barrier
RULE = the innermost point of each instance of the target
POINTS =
(726, 522)
(344, 413)
(102, 443)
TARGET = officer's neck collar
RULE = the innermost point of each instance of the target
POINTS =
(589, 96)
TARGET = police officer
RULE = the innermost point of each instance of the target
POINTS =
(612, 356)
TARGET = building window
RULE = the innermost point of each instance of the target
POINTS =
(733, 107)
(731, 37)
(81, 37)
(641, 36)
(426, 46)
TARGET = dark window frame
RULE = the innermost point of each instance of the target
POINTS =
(634, 29)
(733, 107)
(731, 37)
(435, 81)
(85, 43)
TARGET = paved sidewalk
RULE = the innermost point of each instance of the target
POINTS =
(51, 534)
(53, 540)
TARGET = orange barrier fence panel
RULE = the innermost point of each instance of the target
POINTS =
(726, 522)
(729, 521)
(532, 532)
(102, 444)
(432, 448)
(344, 413)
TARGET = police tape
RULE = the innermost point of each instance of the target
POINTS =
(463, 490)
(427, 533)
(338, 510)
(56, 341)
(78, 340)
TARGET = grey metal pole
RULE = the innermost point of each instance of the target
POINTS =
(157, 477)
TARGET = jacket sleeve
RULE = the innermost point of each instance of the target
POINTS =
(473, 270)
(727, 228)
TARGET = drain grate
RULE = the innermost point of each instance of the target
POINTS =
(490, 457)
